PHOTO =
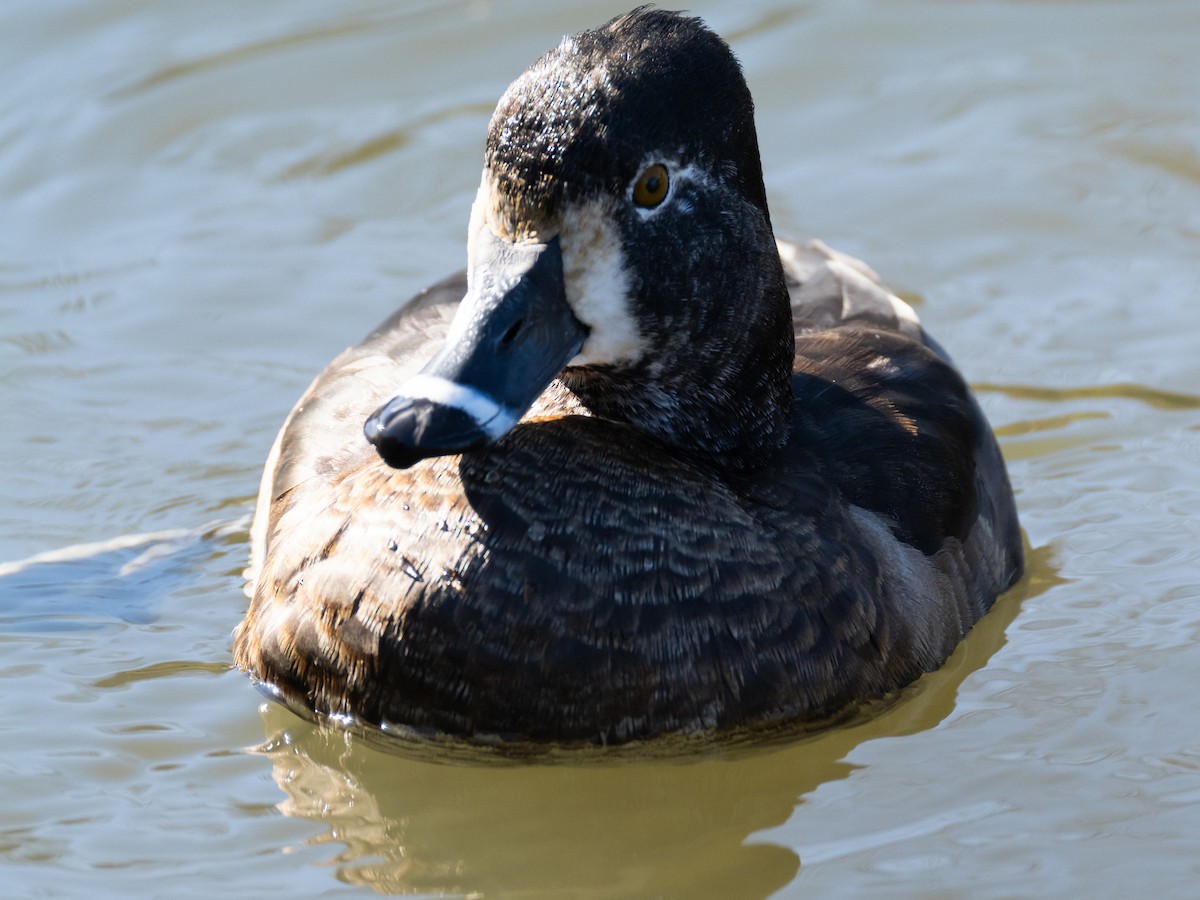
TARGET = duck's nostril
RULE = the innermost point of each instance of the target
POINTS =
(511, 335)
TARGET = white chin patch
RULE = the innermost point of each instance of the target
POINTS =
(597, 285)
(493, 419)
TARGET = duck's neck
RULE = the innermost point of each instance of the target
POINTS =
(723, 395)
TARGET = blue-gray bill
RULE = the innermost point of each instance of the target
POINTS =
(512, 334)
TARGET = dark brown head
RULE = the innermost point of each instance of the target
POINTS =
(622, 171)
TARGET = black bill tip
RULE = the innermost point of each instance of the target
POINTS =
(407, 430)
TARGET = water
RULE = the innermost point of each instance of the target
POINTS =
(201, 203)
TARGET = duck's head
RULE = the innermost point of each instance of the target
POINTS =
(621, 239)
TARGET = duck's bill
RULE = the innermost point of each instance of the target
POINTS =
(511, 336)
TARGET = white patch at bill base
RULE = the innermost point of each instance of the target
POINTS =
(597, 284)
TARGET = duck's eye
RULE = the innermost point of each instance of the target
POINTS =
(651, 187)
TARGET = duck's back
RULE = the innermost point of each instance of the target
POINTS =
(582, 581)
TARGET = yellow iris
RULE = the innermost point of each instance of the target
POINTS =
(651, 187)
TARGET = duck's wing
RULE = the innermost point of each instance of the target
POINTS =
(893, 425)
(829, 288)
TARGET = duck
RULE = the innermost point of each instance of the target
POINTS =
(642, 469)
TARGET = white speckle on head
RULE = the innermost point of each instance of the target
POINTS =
(493, 418)
(597, 284)
(598, 77)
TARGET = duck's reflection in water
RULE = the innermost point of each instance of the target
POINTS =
(629, 824)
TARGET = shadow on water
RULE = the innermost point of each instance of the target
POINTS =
(596, 825)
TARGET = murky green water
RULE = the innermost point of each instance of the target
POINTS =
(201, 203)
